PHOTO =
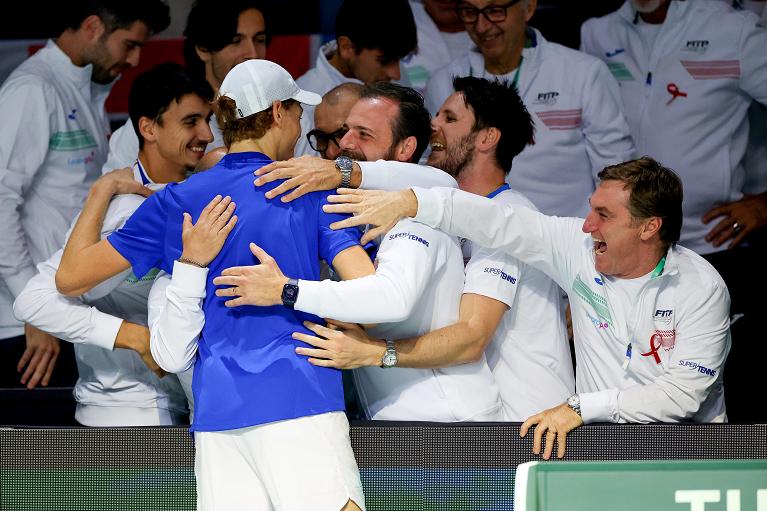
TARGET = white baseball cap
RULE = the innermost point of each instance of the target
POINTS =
(255, 84)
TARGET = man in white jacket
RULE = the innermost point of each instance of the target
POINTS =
(53, 141)
(688, 73)
(117, 386)
(579, 126)
(650, 318)
(364, 51)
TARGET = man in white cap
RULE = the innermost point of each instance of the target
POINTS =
(264, 418)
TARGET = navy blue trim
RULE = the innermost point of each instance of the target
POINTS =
(503, 187)
(144, 178)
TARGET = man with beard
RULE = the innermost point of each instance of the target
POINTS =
(509, 311)
(53, 142)
(416, 289)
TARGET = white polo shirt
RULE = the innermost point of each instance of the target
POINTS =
(529, 353)
(416, 289)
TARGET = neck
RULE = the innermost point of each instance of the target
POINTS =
(507, 62)
(481, 179)
(72, 45)
(262, 145)
(657, 16)
(337, 62)
(158, 168)
(647, 264)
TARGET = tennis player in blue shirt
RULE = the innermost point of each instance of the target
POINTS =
(270, 432)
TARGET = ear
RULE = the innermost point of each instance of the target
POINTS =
(93, 27)
(487, 139)
(202, 53)
(146, 128)
(651, 228)
(278, 113)
(530, 9)
(405, 149)
(346, 48)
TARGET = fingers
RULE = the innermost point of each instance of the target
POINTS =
(721, 232)
(25, 358)
(551, 435)
(523, 429)
(372, 234)
(229, 226)
(317, 342)
(212, 204)
(561, 445)
(740, 237)
(318, 329)
(283, 187)
(228, 291)
(351, 198)
(298, 192)
(144, 191)
(352, 221)
(540, 429)
(715, 212)
(187, 224)
(261, 254)
(269, 171)
(340, 325)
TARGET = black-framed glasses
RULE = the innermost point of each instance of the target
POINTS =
(319, 140)
(492, 13)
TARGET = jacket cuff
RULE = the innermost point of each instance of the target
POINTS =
(430, 207)
(189, 280)
(309, 297)
(18, 280)
(368, 173)
(599, 406)
(104, 330)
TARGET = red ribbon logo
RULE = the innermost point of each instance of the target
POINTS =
(654, 347)
(675, 92)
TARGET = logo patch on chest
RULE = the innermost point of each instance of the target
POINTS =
(547, 98)
(697, 46)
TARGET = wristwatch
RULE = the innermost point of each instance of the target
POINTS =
(574, 402)
(290, 293)
(390, 356)
(344, 164)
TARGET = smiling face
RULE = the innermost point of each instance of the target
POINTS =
(183, 133)
(116, 52)
(452, 136)
(618, 247)
(497, 40)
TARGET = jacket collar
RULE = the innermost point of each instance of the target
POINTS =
(80, 76)
(676, 10)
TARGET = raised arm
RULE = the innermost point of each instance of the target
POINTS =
(309, 173)
(87, 259)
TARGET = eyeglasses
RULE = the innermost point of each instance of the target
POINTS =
(319, 140)
(492, 13)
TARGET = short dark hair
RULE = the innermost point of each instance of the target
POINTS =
(654, 190)
(153, 91)
(372, 25)
(118, 14)
(497, 104)
(211, 25)
(413, 119)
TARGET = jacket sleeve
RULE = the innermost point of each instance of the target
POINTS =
(395, 176)
(24, 135)
(550, 244)
(753, 42)
(176, 318)
(695, 367)
(605, 130)
(405, 265)
(70, 319)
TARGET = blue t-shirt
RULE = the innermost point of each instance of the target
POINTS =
(247, 371)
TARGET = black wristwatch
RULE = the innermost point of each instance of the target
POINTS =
(290, 293)
(344, 164)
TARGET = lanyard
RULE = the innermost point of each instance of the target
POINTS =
(516, 75)
(658, 271)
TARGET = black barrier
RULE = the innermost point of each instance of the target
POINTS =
(404, 466)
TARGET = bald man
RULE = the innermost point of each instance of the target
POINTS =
(329, 118)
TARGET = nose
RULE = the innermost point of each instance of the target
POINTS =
(589, 224)
(392, 70)
(134, 56)
(251, 50)
(483, 24)
(204, 133)
(347, 142)
(332, 152)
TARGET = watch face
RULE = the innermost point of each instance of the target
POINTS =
(390, 360)
(344, 163)
(289, 293)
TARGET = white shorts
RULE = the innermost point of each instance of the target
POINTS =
(291, 465)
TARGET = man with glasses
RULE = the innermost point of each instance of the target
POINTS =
(572, 98)
(329, 119)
